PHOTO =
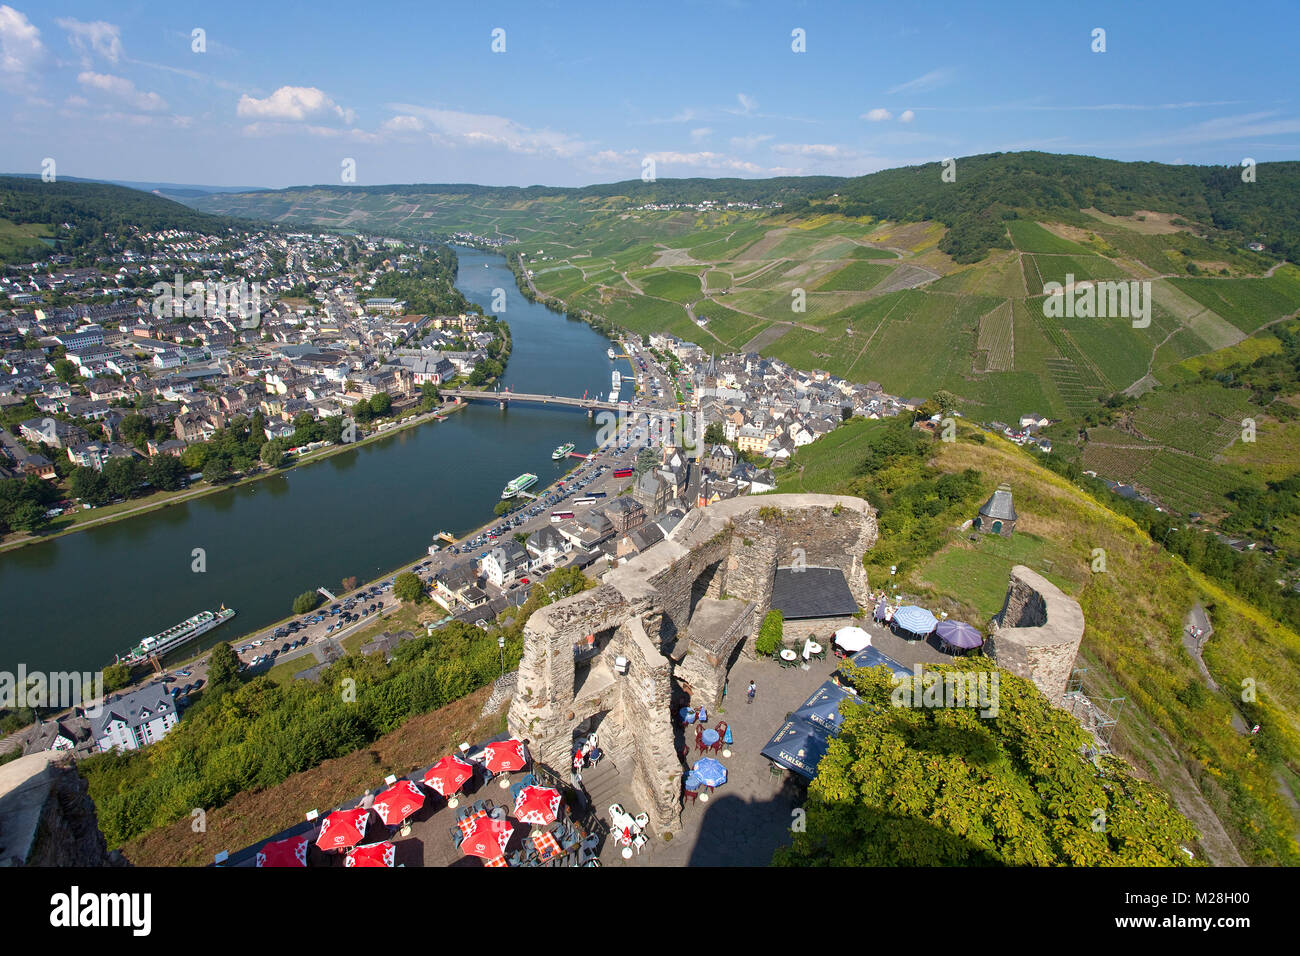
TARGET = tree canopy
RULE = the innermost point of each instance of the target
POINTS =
(945, 786)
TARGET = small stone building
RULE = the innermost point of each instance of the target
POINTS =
(998, 514)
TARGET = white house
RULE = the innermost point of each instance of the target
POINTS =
(134, 720)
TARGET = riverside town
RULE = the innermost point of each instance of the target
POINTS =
(800, 459)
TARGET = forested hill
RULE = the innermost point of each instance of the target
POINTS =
(93, 209)
(989, 188)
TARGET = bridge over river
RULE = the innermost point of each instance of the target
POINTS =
(591, 405)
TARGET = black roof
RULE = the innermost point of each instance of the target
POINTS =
(801, 593)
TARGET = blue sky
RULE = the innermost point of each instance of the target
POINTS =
(285, 91)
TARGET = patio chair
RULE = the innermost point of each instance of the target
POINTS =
(642, 820)
(639, 841)
(716, 746)
(691, 795)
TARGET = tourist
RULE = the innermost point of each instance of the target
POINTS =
(594, 755)
(749, 694)
(704, 715)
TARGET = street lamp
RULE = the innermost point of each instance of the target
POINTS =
(501, 643)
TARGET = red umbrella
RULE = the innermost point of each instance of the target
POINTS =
(487, 838)
(290, 852)
(505, 755)
(448, 775)
(377, 854)
(398, 802)
(538, 805)
(343, 828)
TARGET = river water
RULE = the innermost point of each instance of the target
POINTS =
(73, 602)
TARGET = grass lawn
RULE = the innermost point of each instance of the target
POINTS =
(975, 573)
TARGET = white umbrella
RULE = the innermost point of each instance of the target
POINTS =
(852, 639)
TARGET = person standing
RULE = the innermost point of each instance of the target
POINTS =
(749, 694)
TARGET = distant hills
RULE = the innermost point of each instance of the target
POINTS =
(984, 190)
(32, 212)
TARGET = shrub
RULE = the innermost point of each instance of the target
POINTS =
(306, 601)
(770, 634)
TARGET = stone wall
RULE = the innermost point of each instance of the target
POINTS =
(47, 817)
(728, 550)
(1037, 633)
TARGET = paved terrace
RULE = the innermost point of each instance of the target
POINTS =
(741, 824)
(747, 818)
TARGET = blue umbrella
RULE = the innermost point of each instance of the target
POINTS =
(711, 772)
(915, 619)
(823, 707)
(959, 634)
(798, 746)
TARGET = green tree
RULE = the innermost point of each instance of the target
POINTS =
(561, 583)
(381, 403)
(645, 460)
(273, 453)
(408, 587)
(306, 601)
(223, 665)
(1003, 780)
(28, 516)
(715, 434)
(116, 676)
(771, 634)
(165, 472)
(122, 476)
(67, 372)
(88, 485)
(216, 470)
(501, 507)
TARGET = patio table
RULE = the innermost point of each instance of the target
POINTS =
(547, 845)
(710, 737)
(788, 655)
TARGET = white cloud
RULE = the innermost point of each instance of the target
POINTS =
(404, 124)
(877, 115)
(21, 49)
(704, 160)
(747, 143)
(292, 103)
(122, 89)
(702, 133)
(98, 36)
(747, 103)
(455, 128)
(818, 150)
(906, 116)
(927, 81)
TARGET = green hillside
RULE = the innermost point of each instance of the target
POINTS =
(31, 209)
(1234, 787)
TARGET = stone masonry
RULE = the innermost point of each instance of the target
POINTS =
(1037, 633)
(679, 614)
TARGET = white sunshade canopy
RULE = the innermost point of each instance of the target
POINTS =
(852, 639)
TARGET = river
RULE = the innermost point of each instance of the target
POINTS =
(72, 602)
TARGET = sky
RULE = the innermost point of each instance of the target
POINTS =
(278, 94)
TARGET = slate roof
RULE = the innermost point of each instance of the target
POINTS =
(999, 505)
(806, 593)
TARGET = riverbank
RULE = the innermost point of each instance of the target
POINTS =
(156, 502)
(358, 515)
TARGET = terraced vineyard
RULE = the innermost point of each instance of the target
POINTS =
(882, 302)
